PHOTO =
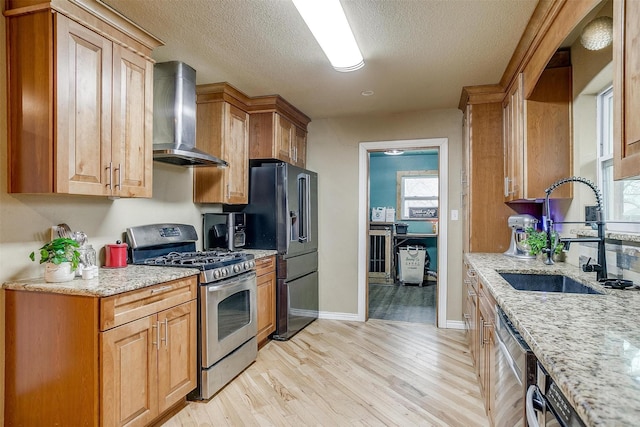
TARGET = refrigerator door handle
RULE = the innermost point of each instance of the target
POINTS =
(304, 202)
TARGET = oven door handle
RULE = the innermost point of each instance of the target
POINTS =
(534, 402)
(232, 285)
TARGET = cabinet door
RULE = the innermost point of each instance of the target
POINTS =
(236, 153)
(129, 373)
(83, 109)
(470, 317)
(176, 354)
(300, 148)
(284, 138)
(626, 91)
(514, 142)
(132, 124)
(266, 293)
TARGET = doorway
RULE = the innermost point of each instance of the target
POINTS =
(430, 291)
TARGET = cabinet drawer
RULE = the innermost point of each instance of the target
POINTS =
(265, 265)
(123, 308)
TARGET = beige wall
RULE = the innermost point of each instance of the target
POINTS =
(333, 153)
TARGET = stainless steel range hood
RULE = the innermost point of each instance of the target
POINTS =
(174, 117)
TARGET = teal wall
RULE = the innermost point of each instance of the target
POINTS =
(382, 190)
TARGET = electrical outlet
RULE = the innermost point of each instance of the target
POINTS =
(590, 213)
(454, 215)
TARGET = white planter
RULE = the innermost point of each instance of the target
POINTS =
(55, 273)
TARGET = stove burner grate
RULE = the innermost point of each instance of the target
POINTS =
(194, 258)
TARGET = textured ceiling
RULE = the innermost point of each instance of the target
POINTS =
(418, 53)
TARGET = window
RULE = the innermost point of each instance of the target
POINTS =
(418, 194)
(621, 198)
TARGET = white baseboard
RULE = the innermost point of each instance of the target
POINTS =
(338, 316)
(455, 324)
(450, 324)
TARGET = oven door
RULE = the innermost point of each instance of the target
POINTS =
(228, 316)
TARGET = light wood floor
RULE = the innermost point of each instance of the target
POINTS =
(338, 373)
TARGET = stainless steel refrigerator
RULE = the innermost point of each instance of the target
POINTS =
(282, 215)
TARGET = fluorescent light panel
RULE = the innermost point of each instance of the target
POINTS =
(328, 24)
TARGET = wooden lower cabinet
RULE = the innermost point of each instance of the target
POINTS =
(266, 297)
(470, 312)
(479, 317)
(148, 366)
(112, 361)
(486, 360)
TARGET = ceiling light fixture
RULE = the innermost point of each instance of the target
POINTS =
(393, 152)
(598, 33)
(328, 24)
(367, 93)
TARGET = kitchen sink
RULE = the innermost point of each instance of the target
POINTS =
(547, 283)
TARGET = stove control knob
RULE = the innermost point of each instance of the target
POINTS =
(225, 272)
(216, 274)
(246, 265)
(252, 263)
(236, 268)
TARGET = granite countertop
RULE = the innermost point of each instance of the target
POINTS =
(260, 253)
(110, 281)
(589, 344)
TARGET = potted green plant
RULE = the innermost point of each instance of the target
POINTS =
(61, 259)
(536, 241)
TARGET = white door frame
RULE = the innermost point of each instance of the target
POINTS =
(363, 215)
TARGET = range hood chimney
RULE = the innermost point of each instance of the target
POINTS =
(174, 117)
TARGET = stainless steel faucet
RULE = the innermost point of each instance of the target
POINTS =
(601, 266)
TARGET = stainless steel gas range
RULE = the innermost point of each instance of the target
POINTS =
(227, 312)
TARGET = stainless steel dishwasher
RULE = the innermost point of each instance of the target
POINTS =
(515, 371)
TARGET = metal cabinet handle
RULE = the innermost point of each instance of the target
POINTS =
(481, 332)
(157, 328)
(486, 325)
(119, 169)
(161, 289)
(466, 316)
(166, 333)
(108, 168)
(471, 293)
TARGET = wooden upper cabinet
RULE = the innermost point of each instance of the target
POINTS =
(513, 141)
(132, 124)
(222, 129)
(484, 211)
(284, 143)
(300, 148)
(278, 131)
(80, 101)
(538, 136)
(626, 90)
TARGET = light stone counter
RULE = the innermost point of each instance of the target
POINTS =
(110, 281)
(590, 344)
(260, 253)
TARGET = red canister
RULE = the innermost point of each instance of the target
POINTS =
(116, 255)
